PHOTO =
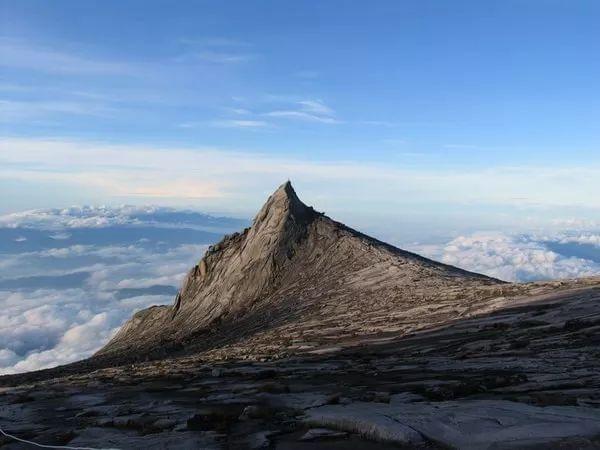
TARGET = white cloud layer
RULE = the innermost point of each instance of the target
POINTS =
(105, 216)
(44, 327)
(83, 270)
(516, 257)
(230, 178)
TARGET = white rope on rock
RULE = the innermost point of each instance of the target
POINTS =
(10, 436)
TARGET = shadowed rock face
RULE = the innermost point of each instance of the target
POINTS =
(291, 260)
(522, 372)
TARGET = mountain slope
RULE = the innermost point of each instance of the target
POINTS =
(292, 265)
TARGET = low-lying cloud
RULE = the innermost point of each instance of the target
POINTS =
(521, 257)
(61, 303)
(106, 216)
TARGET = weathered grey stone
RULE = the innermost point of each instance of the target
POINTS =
(473, 424)
(370, 420)
(322, 433)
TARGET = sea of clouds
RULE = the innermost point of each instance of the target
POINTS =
(70, 277)
(521, 257)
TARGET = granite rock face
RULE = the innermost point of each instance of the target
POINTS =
(469, 424)
(289, 264)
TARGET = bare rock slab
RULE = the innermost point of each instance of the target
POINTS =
(470, 425)
(373, 421)
(322, 433)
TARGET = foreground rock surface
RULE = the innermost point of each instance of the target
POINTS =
(524, 376)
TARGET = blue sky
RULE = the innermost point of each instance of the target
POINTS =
(466, 114)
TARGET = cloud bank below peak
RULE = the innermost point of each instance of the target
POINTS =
(88, 269)
(107, 216)
(522, 257)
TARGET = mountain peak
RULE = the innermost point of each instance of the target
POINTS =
(285, 193)
(291, 263)
(281, 205)
(286, 189)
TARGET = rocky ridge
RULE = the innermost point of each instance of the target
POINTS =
(289, 267)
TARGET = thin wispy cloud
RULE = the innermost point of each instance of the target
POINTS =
(215, 50)
(227, 123)
(20, 54)
(239, 124)
(304, 110)
(11, 110)
(460, 146)
(307, 110)
(301, 115)
(238, 111)
(316, 107)
(216, 57)
(397, 124)
(379, 123)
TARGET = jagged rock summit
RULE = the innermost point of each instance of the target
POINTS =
(294, 272)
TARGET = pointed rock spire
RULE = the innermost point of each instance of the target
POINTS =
(279, 225)
(283, 203)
